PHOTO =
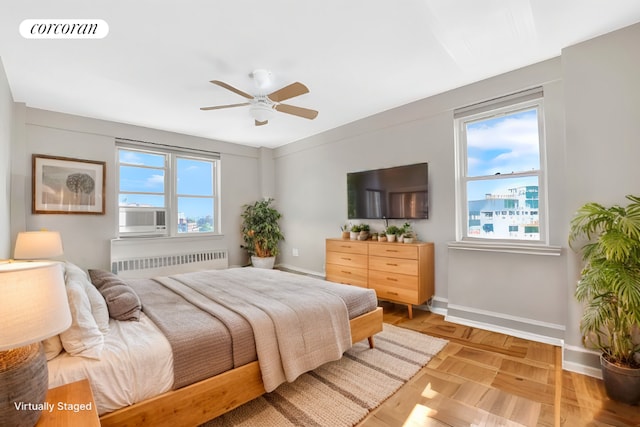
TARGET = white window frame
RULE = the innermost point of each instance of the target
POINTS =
(510, 104)
(170, 182)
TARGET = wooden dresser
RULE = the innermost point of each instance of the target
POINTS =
(399, 272)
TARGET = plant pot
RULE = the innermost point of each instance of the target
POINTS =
(353, 235)
(345, 234)
(364, 235)
(391, 237)
(622, 384)
(266, 262)
(408, 240)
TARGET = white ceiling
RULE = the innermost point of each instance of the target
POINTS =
(357, 57)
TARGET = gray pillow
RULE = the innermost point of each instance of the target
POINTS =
(122, 301)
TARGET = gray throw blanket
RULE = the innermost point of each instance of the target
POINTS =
(296, 326)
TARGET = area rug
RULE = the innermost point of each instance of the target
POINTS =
(343, 392)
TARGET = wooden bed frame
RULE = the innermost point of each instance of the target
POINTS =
(207, 399)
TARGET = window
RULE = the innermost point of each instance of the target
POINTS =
(180, 185)
(500, 168)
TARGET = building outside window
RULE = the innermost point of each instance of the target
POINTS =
(500, 168)
(173, 187)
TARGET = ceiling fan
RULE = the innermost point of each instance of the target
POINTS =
(263, 106)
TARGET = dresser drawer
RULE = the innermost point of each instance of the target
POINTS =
(394, 265)
(396, 294)
(401, 281)
(347, 260)
(348, 275)
(347, 246)
(398, 250)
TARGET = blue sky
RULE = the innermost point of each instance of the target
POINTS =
(195, 179)
(504, 145)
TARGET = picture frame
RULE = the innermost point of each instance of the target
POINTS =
(63, 185)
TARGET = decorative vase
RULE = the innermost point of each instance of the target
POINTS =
(263, 262)
(622, 384)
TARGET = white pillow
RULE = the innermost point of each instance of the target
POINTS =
(83, 338)
(52, 346)
(99, 308)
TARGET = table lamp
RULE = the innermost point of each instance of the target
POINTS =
(38, 245)
(33, 306)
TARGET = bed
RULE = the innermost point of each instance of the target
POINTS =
(190, 354)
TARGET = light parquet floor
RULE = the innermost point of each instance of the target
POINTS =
(483, 378)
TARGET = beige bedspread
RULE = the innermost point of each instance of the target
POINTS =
(296, 326)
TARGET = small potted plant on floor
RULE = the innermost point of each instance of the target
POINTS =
(610, 288)
(261, 232)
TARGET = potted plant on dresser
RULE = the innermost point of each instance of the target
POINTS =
(610, 288)
(261, 232)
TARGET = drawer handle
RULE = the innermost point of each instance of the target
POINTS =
(392, 264)
(391, 250)
(391, 279)
(346, 259)
(346, 272)
(392, 293)
(346, 246)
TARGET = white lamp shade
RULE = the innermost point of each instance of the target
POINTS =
(33, 303)
(261, 113)
(38, 245)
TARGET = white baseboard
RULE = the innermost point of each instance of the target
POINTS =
(521, 327)
(505, 330)
(301, 270)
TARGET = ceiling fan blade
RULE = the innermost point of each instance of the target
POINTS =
(218, 107)
(231, 88)
(287, 92)
(261, 123)
(297, 111)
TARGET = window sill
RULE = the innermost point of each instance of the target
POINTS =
(513, 248)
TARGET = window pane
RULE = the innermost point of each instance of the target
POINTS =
(195, 215)
(504, 208)
(195, 177)
(142, 180)
(143, 159)
(504, 144)
(143, 200)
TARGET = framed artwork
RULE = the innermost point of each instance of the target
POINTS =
(61, 185)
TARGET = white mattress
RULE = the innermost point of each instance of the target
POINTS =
(136, 364)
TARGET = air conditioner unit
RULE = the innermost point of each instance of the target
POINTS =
(143, 222)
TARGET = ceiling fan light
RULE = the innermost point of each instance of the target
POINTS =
(261, 113)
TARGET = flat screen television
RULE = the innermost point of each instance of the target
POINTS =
(399, 192)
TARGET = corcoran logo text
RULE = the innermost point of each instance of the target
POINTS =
(64, 29)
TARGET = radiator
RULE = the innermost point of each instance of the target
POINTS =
(164, 260)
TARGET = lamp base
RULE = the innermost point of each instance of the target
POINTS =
(24, 381)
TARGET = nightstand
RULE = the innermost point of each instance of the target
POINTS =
(72, 405)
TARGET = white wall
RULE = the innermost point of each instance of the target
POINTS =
(86, 238)
(6, 129)
(602, 102)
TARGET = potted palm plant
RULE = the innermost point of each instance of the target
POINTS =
(610, 288)
(261, 232)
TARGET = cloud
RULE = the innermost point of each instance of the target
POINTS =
(504, 144)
